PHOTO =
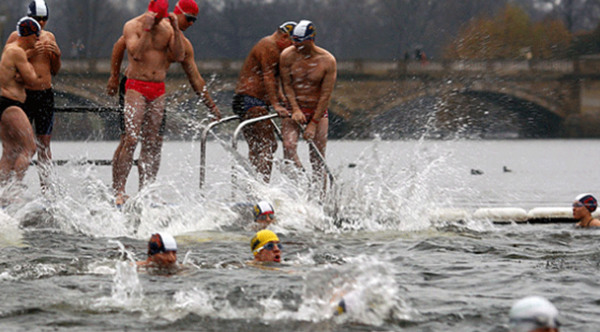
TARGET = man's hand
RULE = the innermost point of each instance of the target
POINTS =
(113, 86)
(51, 47)
(299, 117)
(149, 21)
(19, 78)
(281, 111)
(173, 21)
(216, 113)
(309, 132)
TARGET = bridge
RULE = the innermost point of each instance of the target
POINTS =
(564, 95)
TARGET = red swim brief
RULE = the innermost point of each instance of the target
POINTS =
(310, 112)
(150, 90)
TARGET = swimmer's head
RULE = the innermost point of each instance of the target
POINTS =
(38, 10)
(532, 313)
(288, 27)
(304, 30)
(588, 201)
(262, 211)
(161, 242)
(187, 13)
(266, 247)
(27, 26)
(160, 7)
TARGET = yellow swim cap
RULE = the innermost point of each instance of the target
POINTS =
(261, 238)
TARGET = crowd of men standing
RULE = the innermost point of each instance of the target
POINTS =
(285, 72)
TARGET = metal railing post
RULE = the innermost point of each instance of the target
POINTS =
(203, 139)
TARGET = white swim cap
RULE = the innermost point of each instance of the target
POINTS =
(532, 312)
(38, 8)
(161, 242)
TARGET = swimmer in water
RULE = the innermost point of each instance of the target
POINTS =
(583, 207)
(533, 314)
(162, 252)
(266, 247)
(264, 215)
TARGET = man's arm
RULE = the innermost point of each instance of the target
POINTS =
(198, 84)
(327, 87)
(55, 53)
(285, 69)
(176, 43)
(116, 59)
(24, 68)
(269, 60)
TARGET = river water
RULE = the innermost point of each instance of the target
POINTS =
(387, 238)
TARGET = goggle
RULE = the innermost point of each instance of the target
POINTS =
(270, 246)
(263, 217)
(39, 18)
(578, 204)
(189, 17)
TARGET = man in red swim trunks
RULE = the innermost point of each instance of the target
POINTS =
(149, 41)
(186, 12)
(308, 74)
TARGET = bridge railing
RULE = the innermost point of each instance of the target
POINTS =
(379, 68)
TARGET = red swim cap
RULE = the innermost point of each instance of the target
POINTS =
(160, 7)
(186, 7)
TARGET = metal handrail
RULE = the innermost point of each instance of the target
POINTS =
(203, 140)
(247, 122)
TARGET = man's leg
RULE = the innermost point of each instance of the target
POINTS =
(150, 155)
(135, 105)
(320, 142)
(261, 141)
(156, 150)
(18, 144)
(291, 132)
(44, 160)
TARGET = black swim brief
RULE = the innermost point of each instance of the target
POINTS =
(242, 103)
(39, 107)
(6, 103)
(163, 124)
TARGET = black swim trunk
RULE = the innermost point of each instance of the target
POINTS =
(7, 102)
(39, 108)
(163, 124)
(242, 103)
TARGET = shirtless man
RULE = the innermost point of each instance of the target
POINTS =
(186, 12)
(18, 143)
(308, 74)
(149, 41)
(39, 105)
(258, 88)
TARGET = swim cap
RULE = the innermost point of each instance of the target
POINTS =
(161, 242)
(28, 26)
(186, 7)
(160, 7)
(288, 27)
(261, 238)
(532, 312)
(588, 200)
(305, 30)
(263, 208)
(38, 8)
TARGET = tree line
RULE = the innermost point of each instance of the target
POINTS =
(350, 29)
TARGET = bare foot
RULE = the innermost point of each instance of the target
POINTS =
(120, 199)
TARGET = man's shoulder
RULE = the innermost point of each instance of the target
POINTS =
(326, 54)
(264, 45)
